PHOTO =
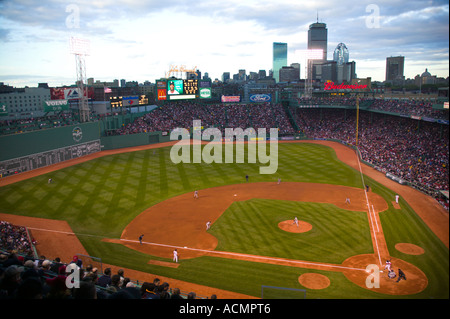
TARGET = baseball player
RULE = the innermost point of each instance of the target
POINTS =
(347, 200)
(391, 274)
(208, 225)
(279, 181)
(388, 265)
(396, 198)
(175, 256)
(196, 194)
(295, 221)
(140, 238)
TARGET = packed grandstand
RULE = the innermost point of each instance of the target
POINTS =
(406, 138)
(24, 275)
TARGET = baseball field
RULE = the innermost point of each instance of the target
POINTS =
(99, 206)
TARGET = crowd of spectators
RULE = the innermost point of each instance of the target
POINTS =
(14, 237)
(416, 151)
(182, 114)
(22, 276)
(416, 107)
(408, 107)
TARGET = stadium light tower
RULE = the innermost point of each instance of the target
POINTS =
(308, 56)
(80, 48)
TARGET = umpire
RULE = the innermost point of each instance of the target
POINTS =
(401, 275)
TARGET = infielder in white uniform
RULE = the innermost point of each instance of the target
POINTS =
(196, 194)
(208, 225)
(295, 221)
(175, 256)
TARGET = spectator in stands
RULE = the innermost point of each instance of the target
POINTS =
(105, 279)
(12, 259)
(58, 288)
(121, 272)
(115, 282)
(86, 290)
(30, 288)
(10, 281)
(191, 295)
(163, 291)
(55, 265)
(176, 294)
(148, 291)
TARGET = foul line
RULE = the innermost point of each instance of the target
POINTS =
(368, 206)
(217, 252)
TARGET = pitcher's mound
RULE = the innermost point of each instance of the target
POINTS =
(314, 281)
(409, 249)
(289, 226)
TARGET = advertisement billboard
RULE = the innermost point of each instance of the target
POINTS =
(260, 98)
(175, 87)
(128, 101)
(227, 99)
(162, 94)
(55, 105)
(3, 110)
(205, 93)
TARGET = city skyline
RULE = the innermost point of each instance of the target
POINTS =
(139, 41)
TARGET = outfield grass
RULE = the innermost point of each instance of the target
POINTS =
(251, 227)
(102, 196)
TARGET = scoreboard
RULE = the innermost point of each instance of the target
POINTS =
(176, 89)
(190, 87)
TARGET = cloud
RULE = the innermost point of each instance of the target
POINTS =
(219, 36)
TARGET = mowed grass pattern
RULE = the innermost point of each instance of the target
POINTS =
(100, 197)
(251, 227)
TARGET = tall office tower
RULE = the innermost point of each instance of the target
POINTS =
(345, 69)
(279, 59)
(318, 38)
(341, 54)
(394, 68)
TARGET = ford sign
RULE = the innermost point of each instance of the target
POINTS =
(261, 98)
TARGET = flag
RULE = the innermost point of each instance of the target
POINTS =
(108, 90)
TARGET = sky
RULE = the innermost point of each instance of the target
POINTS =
(140, 40)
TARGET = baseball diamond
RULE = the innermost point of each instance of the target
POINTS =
(100, 204)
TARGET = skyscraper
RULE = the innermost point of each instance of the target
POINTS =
(341, 54)
(318, 38)
(394, 68)
(279, 59)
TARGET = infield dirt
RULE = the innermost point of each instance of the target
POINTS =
(61, 242)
